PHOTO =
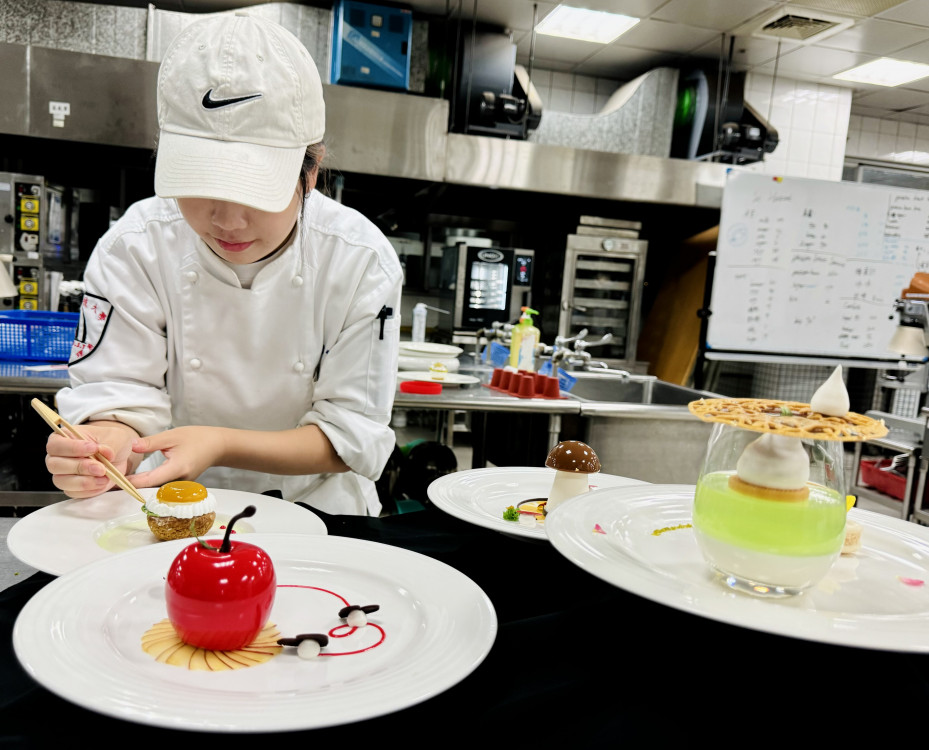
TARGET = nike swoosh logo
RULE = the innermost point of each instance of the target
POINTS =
(210, 103)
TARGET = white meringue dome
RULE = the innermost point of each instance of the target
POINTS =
(774, 461)
(831, 398)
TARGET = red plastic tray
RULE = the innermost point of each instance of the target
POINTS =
(887, 482)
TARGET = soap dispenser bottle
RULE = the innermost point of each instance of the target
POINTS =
(523, 342)
(516, 336)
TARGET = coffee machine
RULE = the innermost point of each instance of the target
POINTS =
(480, 284)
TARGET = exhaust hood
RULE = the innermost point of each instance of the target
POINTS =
(112, 101)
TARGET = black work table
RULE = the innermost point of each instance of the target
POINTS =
(575, 660)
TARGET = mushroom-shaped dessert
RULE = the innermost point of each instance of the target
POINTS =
(573, 461)
(356, 615)
(308, 644)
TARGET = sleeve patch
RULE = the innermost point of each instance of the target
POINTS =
(95, 317)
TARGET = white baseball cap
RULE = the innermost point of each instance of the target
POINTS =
(239, 100)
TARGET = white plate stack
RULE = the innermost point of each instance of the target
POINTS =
(422, 355)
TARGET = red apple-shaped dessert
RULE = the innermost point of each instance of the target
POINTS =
(219, 595)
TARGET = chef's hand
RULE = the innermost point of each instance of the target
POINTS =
(71, 463)
(188, 452)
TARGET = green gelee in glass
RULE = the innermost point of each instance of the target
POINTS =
(815, 526)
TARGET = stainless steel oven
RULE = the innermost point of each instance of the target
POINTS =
(481, 284)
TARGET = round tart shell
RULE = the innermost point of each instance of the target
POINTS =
(767, 493)
(168, 527)
(788, 418)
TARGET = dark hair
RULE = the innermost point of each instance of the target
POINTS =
(311, 161)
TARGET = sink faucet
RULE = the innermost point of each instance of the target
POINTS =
(581, 345)
(562, 341)
(579, 356)
(604, 367)
(498, 330)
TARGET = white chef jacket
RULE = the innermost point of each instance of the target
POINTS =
(168, 337)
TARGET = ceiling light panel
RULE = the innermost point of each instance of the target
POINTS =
(866, 8)
(585, 25)
(885, 72)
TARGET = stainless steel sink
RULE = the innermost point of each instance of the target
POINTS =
(640, 426)
(634, 389)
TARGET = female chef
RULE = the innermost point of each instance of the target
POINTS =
(240, 328)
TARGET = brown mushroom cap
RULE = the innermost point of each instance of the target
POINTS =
(573, 455)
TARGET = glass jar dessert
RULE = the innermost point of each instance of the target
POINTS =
(770, 506)
(771, 541)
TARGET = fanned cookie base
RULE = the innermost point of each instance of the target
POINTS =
(788, 418)
(163, 642)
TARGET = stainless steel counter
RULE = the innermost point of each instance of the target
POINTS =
(26, 378)
(480, 398)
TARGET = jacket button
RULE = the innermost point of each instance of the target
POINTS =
(297, 281)
(191, 276)
(196, 363)
(298, 366)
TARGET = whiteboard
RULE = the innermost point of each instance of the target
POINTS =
(811, 268)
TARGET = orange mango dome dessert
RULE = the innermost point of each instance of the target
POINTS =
(181, 509)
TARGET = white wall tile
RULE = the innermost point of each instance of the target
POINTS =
(798, 145)
(811, 121)
(867, 144)
(606, 86)
(851, 143)
(583, 103)
(566, 92)
(780, 117)
(886, 144)
(906, 137)
(906, 129)
(586, 84)
(887, 127)
(845, 107)
(560, 100)
(838, 152)
(827, 110)
(784, 87)
(541, 78)
(821, 148)
(819, 171)
(870, 125)
(562, 80)
(801, 118)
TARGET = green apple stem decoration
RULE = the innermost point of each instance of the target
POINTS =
(219, 597)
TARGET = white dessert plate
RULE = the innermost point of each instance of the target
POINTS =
(80, 637)
(416, 363)
(639, 539)
(58, 538)
(428, 349)
(448, 378)
(479, 496)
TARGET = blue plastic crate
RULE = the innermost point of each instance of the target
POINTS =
(37, 335)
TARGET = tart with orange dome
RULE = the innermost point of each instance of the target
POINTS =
(181, 509)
